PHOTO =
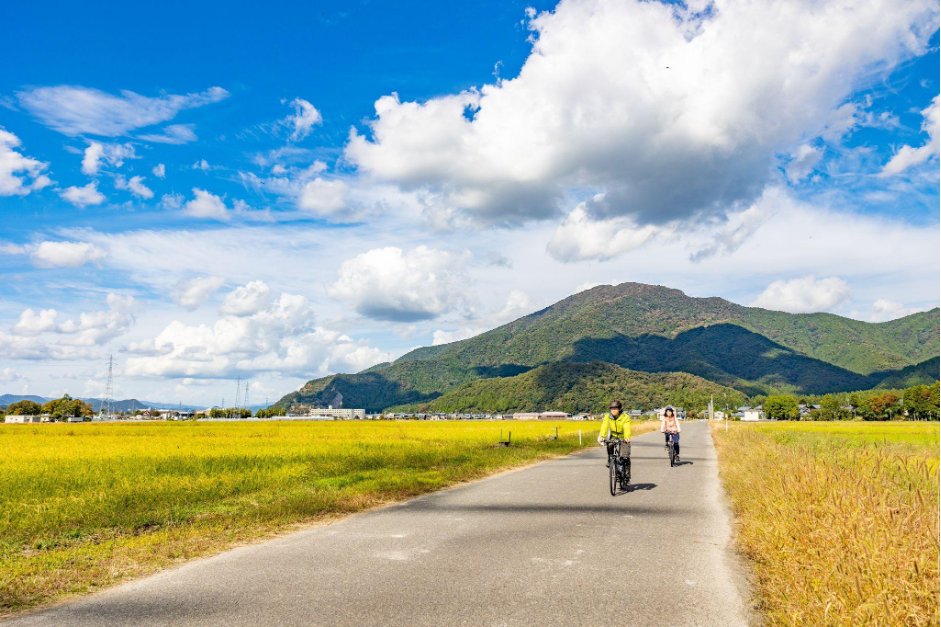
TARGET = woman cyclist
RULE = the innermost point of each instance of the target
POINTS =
(670, 425)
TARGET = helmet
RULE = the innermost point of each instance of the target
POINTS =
(615, 405)
(669, 409)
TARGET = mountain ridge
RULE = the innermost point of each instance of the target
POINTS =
(652, 329)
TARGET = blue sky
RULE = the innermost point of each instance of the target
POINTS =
(214, 191)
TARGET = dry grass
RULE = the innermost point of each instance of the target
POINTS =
(840, 520)
(86, 506)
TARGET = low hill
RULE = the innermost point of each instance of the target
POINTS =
(574, 388)
(925, 373)
(7, 399)
(651, 329)
(124, 405)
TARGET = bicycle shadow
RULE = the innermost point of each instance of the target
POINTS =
(684, 462)
(637, 487)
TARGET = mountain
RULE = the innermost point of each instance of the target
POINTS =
(574, 388)
(126, 405)
(651, 329)
(132, 405)
(6, 399)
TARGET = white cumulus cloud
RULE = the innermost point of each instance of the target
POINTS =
(803, 161)
(193, 293)
(206, 205)
(135, 185)
(323, 197)
(66, 254)
(38, 336)
(884, 309)
(31, 323)
(399, 286)
(9, 375)
(15, 167)
(160, 171)
(441, 336)
(804, 295)
(281, 338)
(581, 237)
(305, 117)
(113, 154)
(672, 112)
(247, 299)
(908, 156)
(83, 196)
(98, 327)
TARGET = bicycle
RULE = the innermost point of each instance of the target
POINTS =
(620, 467)
(671, 449)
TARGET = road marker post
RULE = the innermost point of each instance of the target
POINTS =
(579, 437)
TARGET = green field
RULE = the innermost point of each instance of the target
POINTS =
(840, 520)
(84, 506)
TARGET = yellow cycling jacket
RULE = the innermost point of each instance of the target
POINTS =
(620, 427)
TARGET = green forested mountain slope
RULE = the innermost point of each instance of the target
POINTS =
(574, 387)
(924, 373)
(652, 329)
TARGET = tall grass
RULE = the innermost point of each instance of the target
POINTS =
(84, 506)
(840, 520)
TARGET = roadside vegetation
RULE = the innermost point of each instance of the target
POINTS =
(840, 520)
(918, 402)
(85, 506)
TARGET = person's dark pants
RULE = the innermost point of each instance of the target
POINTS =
(676, 441)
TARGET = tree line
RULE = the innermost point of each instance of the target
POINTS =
(58, 409)
(918, 402)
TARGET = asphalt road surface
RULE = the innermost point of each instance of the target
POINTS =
(545, 545)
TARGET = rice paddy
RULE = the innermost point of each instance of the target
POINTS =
(88, 505)
(840, 520)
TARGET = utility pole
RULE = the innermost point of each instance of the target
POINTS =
(106, 410)
(238, 391)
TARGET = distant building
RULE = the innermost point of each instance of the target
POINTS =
(337, 414)
(75, 419)
(541, 415)
(752, 415)
(21, 419)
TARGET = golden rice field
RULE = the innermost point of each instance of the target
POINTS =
(85, 506)
(840, 520)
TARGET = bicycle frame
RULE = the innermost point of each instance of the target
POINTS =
(620, 467)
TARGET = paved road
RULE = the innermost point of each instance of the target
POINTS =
(546, 545)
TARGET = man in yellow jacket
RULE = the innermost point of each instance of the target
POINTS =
(618, 424)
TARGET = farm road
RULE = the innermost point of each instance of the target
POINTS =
(545, 545)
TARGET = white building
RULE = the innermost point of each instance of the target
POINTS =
(20, 419)
(337, 414)
(544, 415)
(752, 415)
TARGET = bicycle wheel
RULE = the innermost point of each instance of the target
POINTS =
(672, 455)
(614, 476)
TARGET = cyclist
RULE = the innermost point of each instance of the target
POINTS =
(618, 424)
(669, 424)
